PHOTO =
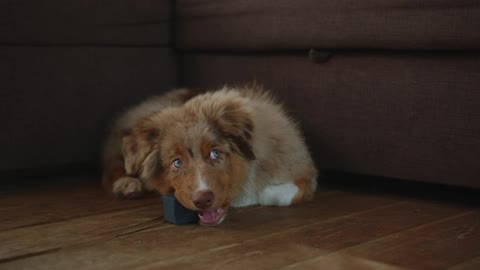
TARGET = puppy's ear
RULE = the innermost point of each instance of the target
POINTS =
(140, 153)
(235, 123)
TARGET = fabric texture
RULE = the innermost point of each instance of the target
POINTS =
(231, 25)
(67, 68)
(403, 115)
(56, 103)
(114, 22)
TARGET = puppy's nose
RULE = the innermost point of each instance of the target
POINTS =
(203, 199)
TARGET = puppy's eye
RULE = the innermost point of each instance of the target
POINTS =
(214, 154)
(177, 164)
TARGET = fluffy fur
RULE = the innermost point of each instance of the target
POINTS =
(231, 147)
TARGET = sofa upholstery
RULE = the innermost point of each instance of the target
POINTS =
(392, 89)
(409, 116)
(340, 24)
(68, 67)
(396, 92)
(85, 22)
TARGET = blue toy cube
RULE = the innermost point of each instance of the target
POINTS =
(175, 213)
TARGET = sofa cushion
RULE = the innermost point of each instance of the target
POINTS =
(406, 115)
(125, 22)
(285, 24)
(57, 103)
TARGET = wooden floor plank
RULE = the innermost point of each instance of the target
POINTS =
(437, 245)
(38, 239)
(53, 236)
(344, 262)
(78, 227)
(472, 264)
(322, 237)
(157, 243)
(26, 208)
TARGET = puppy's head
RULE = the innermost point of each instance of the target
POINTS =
(202, 152)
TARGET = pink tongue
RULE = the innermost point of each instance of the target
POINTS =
(209, 217)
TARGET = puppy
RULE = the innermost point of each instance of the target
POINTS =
(231, 147)
(125, 167)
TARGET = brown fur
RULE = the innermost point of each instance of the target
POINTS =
(260, 150)
(129, 154)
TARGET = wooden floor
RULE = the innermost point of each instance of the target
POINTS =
(76, 226)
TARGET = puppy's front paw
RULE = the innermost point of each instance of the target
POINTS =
(128, 187)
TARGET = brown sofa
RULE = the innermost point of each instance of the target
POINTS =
(394, 92)
(68, 67)
(392, 89)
